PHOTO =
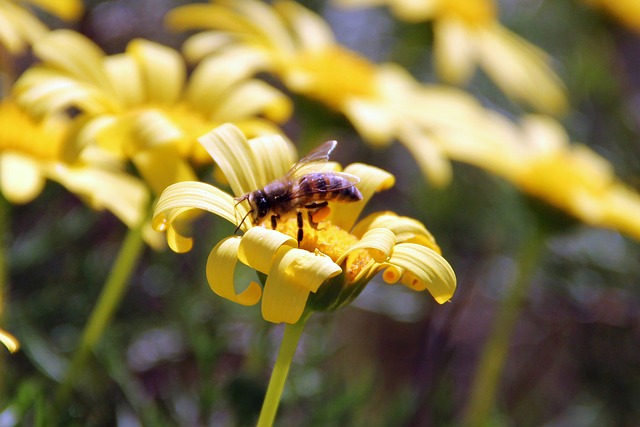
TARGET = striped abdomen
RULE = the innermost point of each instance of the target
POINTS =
(329, 186)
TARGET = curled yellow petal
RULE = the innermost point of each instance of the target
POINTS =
(424, 269)
(372, 180)
(182, 197)
(294, 273)
(221, 265)
(259, 246)
(405, 229)
(392, 274)
(9, 341)
(378, 241)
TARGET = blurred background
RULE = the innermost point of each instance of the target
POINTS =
(176, 354)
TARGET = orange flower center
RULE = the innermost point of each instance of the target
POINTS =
(329, 239)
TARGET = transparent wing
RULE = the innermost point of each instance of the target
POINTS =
(311, 161)
(335, 181)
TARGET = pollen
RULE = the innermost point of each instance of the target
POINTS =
(330, 240)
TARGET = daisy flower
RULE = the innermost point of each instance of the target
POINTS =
(140, 105)
(332, 263)
(467, 34)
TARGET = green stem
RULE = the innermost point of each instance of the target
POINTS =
(4, 279)
(486, 381)
(109, 300)
(292, 334)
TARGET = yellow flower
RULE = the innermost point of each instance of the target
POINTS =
(538, 159)
(32, 151)
(9, 341)
(625, 11)
(18, 27)
(383, 102)
(333, 262)
(467, 33)
(140, 105)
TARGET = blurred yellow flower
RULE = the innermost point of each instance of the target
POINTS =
(18, 27)
(383, 102)
(332, 263)
(539, 159)
(32, 151)
(9, 341)
(140, 105)
(467, 33)
(625, 11)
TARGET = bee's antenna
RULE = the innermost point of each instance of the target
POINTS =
(242, 222)
(238, 201)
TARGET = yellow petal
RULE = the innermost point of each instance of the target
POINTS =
(372, 180)
(454, 50)
(378, 241)
(126, 78)
(184, 196)
(65, 9)
(424, 269)
(311, 31)
(162, 166)
(430, 157)
(273, 166)
(21, 179)
(9, 341)
(259, 246)
(405, 229)
(221, 265)
(75, 54)
(18, 26)
(232, 152)
(163, 70)
(253, 97)
(294, 273)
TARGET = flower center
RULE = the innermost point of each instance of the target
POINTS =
(329, 239)
(21, 133)
(332, 75)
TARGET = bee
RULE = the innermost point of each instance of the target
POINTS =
(304, 187)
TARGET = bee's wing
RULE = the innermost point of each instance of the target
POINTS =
(342, 180)
(312, 161)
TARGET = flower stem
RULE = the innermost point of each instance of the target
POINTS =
(109, 300)
(292, 334)
(4, 279)
(486, 381)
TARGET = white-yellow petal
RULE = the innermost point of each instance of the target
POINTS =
(405, 229)
(221, 266)
(273, 167)
(454, 50)
(424, 269)
(311, 31)
(162, 69)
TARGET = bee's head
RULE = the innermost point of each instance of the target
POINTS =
(259, 205)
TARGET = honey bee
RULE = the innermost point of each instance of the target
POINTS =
(304, 187)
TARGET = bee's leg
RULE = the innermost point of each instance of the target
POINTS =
(274, 221)
(313, 209)
(300, 228)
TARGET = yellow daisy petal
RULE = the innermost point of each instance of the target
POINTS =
(293, 275)
(273, 166)
(259, 246)
(372, 180)
(378, 241)
(454, 50)
(162, 68)
(253, 97)
(406, 230)
(162, 166)
(65, 9)
(312, 32)
(232, 152)
(124, 74)
(185, 196)
(18, 27)
(21, 179)
(221, 265)
(9, 341)
(424, 269)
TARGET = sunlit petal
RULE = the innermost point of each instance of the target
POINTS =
(378, 241)
(9, 341)
(424, 269)
(221, 266)
(21, 179)
(406, 230)
(259, 246)
(162, 69)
